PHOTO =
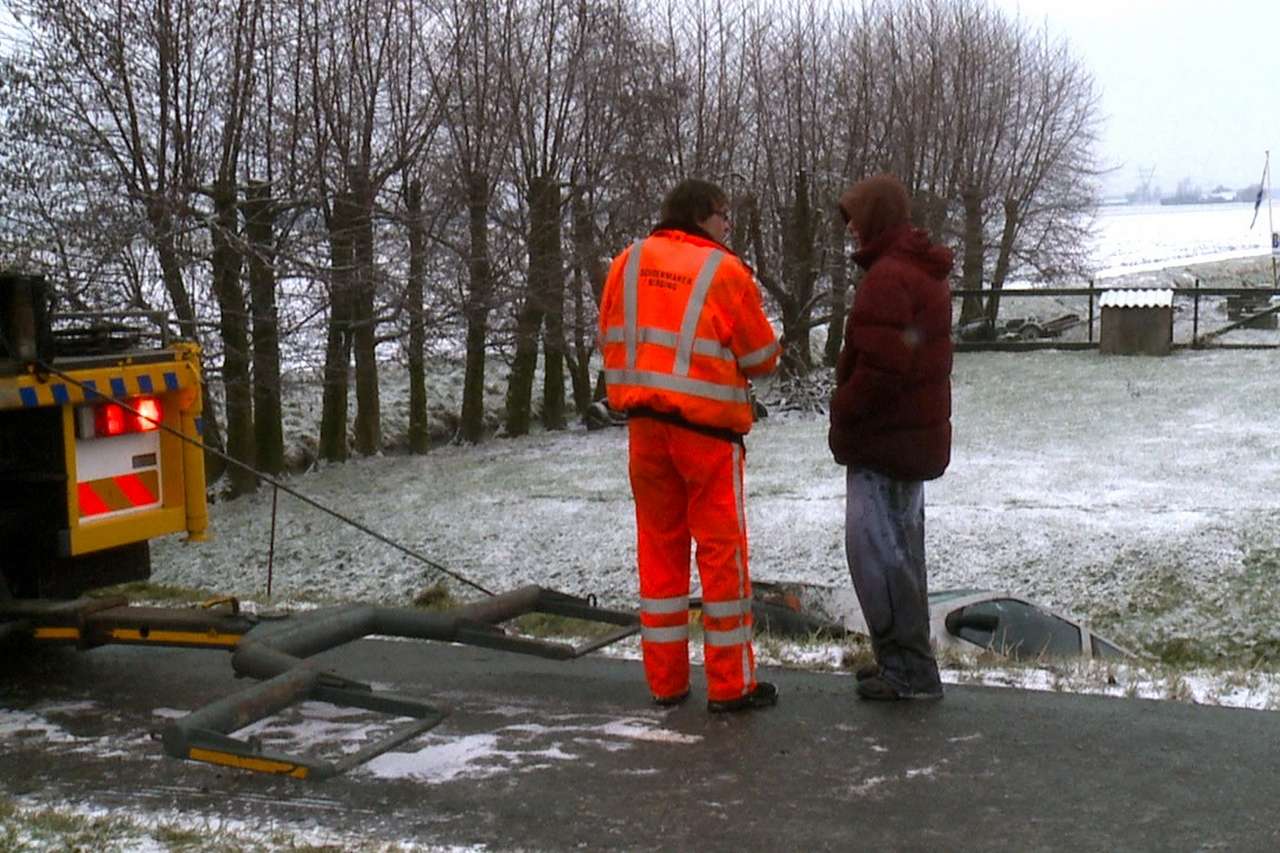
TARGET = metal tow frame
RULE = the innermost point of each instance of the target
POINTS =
(278, 654)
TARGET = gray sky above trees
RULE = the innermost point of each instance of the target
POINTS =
(1190, 88)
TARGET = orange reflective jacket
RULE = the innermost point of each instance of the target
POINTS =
(681, 328)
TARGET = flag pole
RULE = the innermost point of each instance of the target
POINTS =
(1271, 225)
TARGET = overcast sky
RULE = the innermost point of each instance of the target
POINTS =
(1189, 87)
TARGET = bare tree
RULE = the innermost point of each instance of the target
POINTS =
(132, 85)
(547, 110)
(428, 165)
(470, 48)
(797, 153)
(227, 258)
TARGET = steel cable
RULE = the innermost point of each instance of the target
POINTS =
(92, 394)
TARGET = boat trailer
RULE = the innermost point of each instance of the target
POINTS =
(278, 652)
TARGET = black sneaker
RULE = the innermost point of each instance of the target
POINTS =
(877, 689)
(669, 701)
(763, 696)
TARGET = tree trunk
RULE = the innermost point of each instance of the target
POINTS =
(337, 356)
(161, 221)
(777, 289)
(798, 277)
(268, 416)
(1004, 257)
(579, 358)
(587, 271)
(523, 364)
(547, 238)
(419, 438)
(233, 326)
(528, 321)
(479, 294)
(838, 267)
(544, 298)
(363, 324)
(754, 235)
(974, 256)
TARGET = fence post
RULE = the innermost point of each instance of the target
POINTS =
(1090, 310)
(1195, 317)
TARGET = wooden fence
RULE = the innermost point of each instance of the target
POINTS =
(1247, 306)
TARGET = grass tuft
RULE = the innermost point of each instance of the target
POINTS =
(550, 625)
(148, 591)
(435, 597)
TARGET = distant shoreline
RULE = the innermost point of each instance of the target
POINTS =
(1212, 259)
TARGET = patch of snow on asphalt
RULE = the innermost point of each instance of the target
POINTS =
(519, 747)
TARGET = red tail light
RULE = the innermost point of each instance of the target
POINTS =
(149, 413)
(108, 420)
(114, 419)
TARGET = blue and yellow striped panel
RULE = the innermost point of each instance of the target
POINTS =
(26, 391)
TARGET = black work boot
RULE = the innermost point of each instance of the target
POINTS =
(878, 689)
(867, 670)
(671, 701)
(763, 696)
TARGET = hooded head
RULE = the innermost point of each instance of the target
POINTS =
(875, 205)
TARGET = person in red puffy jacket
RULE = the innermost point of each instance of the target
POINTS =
(891, 428)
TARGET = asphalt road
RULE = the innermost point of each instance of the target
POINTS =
(545, 755)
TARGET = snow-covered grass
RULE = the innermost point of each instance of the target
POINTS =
(1134, 492)
(35, 826)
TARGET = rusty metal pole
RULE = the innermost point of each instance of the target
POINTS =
(271, 548)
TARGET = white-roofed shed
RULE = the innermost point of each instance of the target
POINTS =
(1136, 321)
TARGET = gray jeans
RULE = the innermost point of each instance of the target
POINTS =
(884, 544)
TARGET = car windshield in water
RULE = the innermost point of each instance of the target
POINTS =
(1015, 629)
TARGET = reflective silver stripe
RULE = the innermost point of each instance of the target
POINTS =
(693, 311)
(740, 505)
(713, 349)
(726, 609)
(630, 299)
(661, 337)
(748, 674)
(679, 604)
(644, 335)
(679, 384)
(675, 634)
(760, 356)
(735, 637)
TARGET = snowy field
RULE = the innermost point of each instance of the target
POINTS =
(1137, 238)
(1135, 492)
(1132, 492)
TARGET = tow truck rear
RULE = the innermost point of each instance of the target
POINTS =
(99, 453)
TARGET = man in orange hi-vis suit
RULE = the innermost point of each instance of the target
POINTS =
(682, 328)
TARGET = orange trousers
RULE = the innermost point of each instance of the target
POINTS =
(688, 488)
